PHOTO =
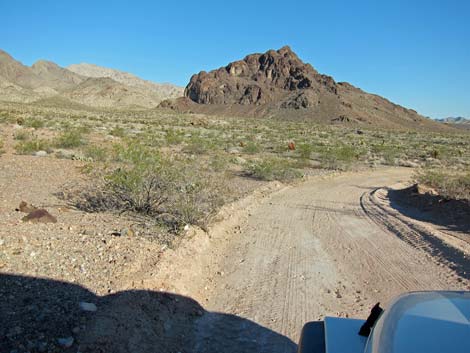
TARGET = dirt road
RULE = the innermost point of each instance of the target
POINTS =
(274, 260)
(306, 252)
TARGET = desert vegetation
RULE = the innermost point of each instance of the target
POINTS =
(447, 183)
(177, 169)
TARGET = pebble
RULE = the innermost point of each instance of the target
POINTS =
(88, 306)
(66, 342)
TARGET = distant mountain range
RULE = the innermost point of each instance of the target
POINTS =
(86, 84)
(455, 120)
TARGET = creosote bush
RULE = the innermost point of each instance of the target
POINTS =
(33, 145)
(34, 123)
(70, 139)
(450, 185)
(273, 168)
(118, 131)
(173, 192)
(21, 135)
(96, 153)
(339, 157)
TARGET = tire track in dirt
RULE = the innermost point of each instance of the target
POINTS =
(306, 252)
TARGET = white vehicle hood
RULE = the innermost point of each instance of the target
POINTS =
(431, 322)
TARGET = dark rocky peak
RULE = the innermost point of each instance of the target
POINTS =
(259, 79)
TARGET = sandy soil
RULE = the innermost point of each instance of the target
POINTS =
(272, 261)
(305, 252)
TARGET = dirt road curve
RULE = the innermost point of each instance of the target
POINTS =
(306, 252)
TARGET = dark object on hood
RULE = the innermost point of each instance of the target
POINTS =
(371, 320)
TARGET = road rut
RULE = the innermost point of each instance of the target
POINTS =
(310, 251)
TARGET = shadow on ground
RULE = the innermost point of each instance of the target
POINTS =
(36, 312)
(453, 215)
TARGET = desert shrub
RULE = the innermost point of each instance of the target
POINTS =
(1, 147)
(96, 153)
(118, 131)
(199, 145)
(449, 184)
(339, 157)
(5, 118)
(71, 138)
(273, 168)
(387, 152)
(21, 135)
(251, 148)
(218, 163)
(174, 193)
(34, 123)
(442, 153)
(304, 150)
(33, 145)
(174, 137)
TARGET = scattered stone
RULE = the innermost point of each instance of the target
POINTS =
(39, 216)
(407, 164)
(233, 150)
(88, 306)
(66, 342)
(26, 208)
(240, 160)
(40, 153)
(127, 232)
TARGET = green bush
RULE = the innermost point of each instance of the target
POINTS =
(199, 145)
(251, 148)
(118, 131)
(96, 153)
(273, 168)
(218, 163)
(31, 146)
(339, 157)
(70, 139)
(305, 151)
(34, 123)
(22, 135)
(174, 137)
(174, 193)
(450, 185)
(387, 152)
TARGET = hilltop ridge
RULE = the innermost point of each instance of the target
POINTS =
(278, 83)
(86, 84)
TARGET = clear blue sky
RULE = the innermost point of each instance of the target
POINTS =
(416, 53)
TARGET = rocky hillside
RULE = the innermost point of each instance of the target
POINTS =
(165, 90)
(45, 81)
(278, 83)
